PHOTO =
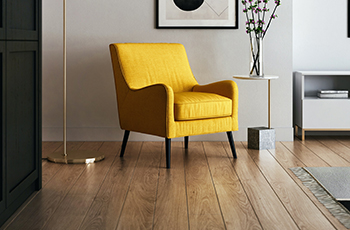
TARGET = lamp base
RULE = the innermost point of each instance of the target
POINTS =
(76, 157)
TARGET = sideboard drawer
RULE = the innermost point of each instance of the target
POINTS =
(326, 113)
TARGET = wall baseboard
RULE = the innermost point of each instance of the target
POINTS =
(116, 134)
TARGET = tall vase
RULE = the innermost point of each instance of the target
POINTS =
(256, 57)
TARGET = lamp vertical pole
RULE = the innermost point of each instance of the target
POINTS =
(64, 81)
(75, 156)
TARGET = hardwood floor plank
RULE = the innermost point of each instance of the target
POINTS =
(345, 140)
(302, 210)
(84, 190)
(71, 145)
(235, 206)
(204, 189)
(171, 206)
(304, 154)
(204, 210)
(107, 205)
(49, 169)
(44, 204)
(270, 211)
(341, 146)
(288, 160)
(325, 153)
(48, 172)
(19, 210)
(49, 147)
(138, 208)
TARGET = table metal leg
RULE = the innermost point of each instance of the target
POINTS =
(269, 104)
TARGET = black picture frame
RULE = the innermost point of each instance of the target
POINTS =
(348, 18)
(164, 14)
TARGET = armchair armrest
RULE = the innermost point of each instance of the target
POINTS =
(224, 88)
(148, 110)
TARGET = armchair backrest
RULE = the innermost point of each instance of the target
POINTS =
(144, 64)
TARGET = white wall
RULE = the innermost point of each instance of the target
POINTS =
(214, 54)
(320, 39)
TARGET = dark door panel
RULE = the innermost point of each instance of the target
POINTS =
(21, 116)
(2, 20)
(22, 19)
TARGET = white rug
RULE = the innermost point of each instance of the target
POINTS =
(324, 196)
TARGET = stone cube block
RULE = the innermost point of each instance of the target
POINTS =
(261, 138)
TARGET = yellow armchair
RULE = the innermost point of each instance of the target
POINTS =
(157, 94)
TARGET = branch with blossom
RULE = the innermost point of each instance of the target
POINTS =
(255, 12)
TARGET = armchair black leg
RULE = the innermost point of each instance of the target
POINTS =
(186, 142)
(125, 140)
(167, 151)
(232, 144)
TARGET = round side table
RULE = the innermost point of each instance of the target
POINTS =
(261, 137)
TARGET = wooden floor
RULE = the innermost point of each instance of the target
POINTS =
(204, 189)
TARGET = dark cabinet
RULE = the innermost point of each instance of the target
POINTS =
(22, 19)
(20, 58)
(19, 19)
(21, 116)
(2, 126)
(2, 20)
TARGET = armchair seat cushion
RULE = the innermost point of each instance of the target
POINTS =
(198, 105)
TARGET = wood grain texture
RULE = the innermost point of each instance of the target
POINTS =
(107, 206)
(288, 160)
(84, 190)
(203, 206)
(298, 205)
(344, 141)
(74, 145)
(49, 147)
(171, 205)
(235, 206)
(138, 208)
(45, 203)
(268, 208)
(205, 188)
(325, 153)
(340, 146)
(304, 154)
(48, 169)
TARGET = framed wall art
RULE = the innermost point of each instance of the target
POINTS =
(199, 14)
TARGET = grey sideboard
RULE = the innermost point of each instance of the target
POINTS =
(311, 113)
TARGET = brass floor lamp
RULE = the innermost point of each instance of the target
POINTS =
(74, 156)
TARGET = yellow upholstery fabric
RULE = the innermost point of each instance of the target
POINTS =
(227, 89)
(149, 78)
(198, 105)
(205, 126)
(156, 63)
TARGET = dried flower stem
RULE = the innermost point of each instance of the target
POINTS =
(269, 23)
